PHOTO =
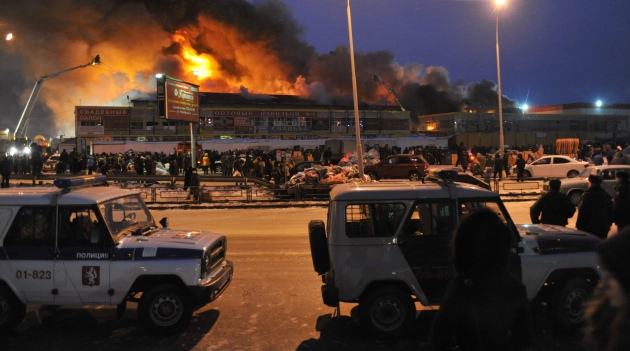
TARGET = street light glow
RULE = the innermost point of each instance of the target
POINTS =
(500, 2)
(598, 103)
(9, 36)
(524, 107)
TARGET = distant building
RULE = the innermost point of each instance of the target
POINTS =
(537, 125)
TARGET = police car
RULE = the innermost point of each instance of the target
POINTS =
(96, 245)
(388, 245)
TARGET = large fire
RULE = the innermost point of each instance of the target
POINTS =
(231, 46)
(229, 62)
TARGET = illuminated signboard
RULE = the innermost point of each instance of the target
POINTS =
(99, 120)
(178, 100)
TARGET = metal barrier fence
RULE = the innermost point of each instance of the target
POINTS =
(162, 193)
(528, 184)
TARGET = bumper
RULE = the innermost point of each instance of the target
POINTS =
(212, 288)
(330, 294)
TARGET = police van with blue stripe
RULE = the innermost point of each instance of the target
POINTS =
(81, 244)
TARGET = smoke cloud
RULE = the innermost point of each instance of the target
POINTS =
(230, 45)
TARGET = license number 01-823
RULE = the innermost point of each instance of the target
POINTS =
(35, 274)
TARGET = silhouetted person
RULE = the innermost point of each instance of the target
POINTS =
(595, 209)
(554, 206)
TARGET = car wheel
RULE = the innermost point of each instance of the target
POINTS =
(414, 176)
(568, 304)
(387, 311)
(573, 174)
(575, 197)
(372, 175)
(11, 310)
(319, 246)
(527, 174)
(165, 309)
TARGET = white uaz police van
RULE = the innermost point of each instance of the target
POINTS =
(98, 245)
(388, 244)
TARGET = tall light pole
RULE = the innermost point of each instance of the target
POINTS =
(501, 139)
(357, 125)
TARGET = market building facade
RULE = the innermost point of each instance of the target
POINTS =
(223, 115)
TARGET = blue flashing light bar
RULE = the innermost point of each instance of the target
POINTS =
(67, 183)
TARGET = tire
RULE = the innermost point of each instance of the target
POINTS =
(387, 312)
(527, 174)
(12, 310)
(415, 176)
(575, 196)
(319, 246)
(372, 175)
(568, 304)
(165, 309)
(573, 174)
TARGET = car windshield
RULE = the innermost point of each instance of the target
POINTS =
(126, 214)
(588, 171)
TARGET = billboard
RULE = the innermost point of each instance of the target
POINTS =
(94, 120)
(177, 100)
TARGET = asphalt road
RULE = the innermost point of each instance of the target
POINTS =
(273, 303)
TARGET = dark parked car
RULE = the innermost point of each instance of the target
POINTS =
(404, 166)
(301, 166)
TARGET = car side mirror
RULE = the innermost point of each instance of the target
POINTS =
(164, 222)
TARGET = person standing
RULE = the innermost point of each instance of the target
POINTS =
(460, 152)
(520, 167)
(506, 163)
(608, 312)
(498, 166)
(621, 201)
(598, 159)
(90, 164)
(205, 163)
(173, 171)
(554, 206)
(485, 306)
(595, 209)
(6, 165)
(193, 184)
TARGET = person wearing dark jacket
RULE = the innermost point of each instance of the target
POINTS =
(6, 165)
(555, 207)
(498, 166)
(485, 306)
(619, 159)
(520, 167)
(173, 171)
(193, 184)
(621, 201)
(595, 209)
(607, 313)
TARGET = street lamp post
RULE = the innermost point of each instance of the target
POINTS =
(357, 126)
(501, 139)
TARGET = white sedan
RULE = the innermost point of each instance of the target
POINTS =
(554, 166)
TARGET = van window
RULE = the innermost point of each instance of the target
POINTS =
(33, 226)
(467, 206)
(373, 220)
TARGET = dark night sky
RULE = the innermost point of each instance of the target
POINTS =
(551, 52)
(430, 51)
